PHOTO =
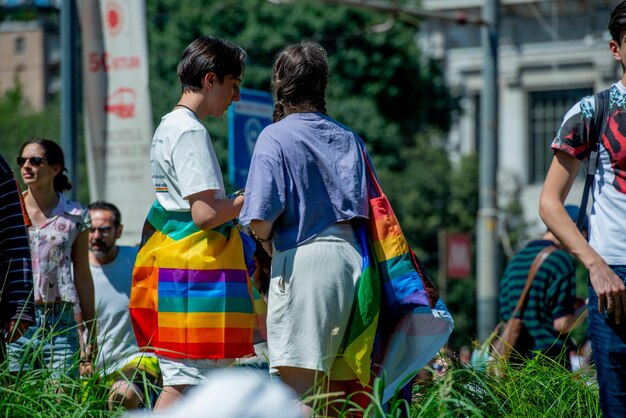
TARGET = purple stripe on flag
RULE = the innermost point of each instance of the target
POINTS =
(202, 276)
(417, 298)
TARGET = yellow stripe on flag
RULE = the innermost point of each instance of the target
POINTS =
(206, 320)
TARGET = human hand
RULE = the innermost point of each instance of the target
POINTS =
(610, 290)
(238, 197)
(88, 356)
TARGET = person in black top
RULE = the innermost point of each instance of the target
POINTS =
(16, 275)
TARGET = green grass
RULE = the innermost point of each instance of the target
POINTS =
(538, 387)
(36, 393)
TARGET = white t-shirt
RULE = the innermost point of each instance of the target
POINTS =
(183, 161)
(112, 282)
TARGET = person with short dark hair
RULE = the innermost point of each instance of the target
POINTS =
(63, 288)
(604, 256)
(200, 322)
(132, 377)
(17, 311)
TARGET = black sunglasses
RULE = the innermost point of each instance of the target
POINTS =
(34, 161)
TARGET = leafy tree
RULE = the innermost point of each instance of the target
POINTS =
(379, 86)
(19, 122)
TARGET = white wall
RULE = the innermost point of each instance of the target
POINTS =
(548, 66)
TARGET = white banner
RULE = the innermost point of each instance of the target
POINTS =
(118, 116)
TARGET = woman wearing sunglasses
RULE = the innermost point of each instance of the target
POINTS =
(63, 287)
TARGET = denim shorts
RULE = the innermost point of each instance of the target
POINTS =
(608, 343)
(51, 342)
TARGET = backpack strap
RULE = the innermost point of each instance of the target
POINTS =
(596, 130)
(518, 312)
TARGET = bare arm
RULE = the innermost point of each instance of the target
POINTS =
(263, 229)
(565, 324)
(609, 287)
(84, 284)
(208, 212)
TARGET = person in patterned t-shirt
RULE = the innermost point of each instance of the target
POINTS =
(604, 255)
(552, 309)
(62, 284)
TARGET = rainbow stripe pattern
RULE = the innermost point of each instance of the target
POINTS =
(361, 331)
(398, 322)
(191, 295)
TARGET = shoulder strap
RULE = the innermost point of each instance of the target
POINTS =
(537, 262)
(596, 130)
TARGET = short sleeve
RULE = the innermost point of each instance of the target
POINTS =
(266, 185)
(85, 221)
(573, 135)
(195, 162)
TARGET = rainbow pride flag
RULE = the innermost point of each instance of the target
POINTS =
(363, 324)
(398, 322)
(191, 295)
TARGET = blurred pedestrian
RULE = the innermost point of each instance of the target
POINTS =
(234, 393)
(552, 308)
(17, 311)
(132, 377)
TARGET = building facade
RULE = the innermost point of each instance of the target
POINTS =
(551, 53)
(30, 58)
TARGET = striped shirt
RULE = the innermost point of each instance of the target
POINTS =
(16, 273)
(551, 296)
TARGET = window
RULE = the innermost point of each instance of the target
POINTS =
(20, 45)
(545, 113)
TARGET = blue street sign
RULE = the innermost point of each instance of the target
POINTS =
(246, 120)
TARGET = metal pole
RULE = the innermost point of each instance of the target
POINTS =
(487, 278)
(69, 76)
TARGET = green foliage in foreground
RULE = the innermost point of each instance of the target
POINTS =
(36, 394)
(539, 387)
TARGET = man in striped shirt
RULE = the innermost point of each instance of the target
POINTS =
(552, 309)
(16, 276)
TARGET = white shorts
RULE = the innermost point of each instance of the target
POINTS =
(310, 298)
(176, 371)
